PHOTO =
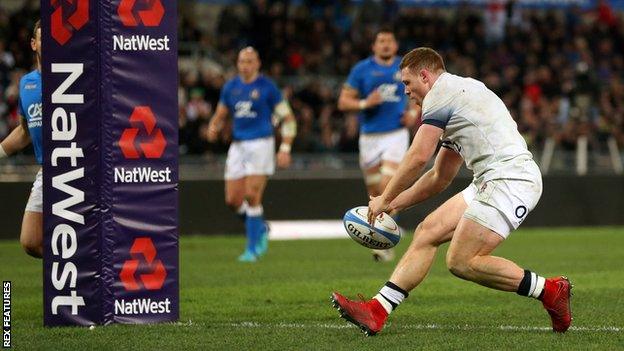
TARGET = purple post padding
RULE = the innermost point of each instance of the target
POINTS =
(110, 166)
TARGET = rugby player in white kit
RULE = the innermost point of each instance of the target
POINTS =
(476, 127)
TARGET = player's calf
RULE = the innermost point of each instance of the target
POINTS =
(459, 266)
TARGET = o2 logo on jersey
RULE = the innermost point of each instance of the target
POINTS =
(521, 212)
(35, 110)
(243, 110)
(388, 93)
(63, 26)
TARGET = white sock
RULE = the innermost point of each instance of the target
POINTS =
(255, 211)
(390, 296)
(242, 209)
(385, 303)
(531, 284)
(539, 286)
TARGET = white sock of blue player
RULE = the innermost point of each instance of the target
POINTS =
(254, 224)
(390, 296)
(241, 211)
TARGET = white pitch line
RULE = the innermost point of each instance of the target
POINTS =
(466, 327)
(307, 229)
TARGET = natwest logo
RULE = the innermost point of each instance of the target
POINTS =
(144, 259)
(153, 148)
(140, 43)
(63, 23)
(150, 15)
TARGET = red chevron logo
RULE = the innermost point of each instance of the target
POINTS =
(155, 147)
(68, 16)
(144, 254)
(150, 15)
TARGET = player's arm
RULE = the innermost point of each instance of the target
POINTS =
(434, 181)
(349, 100)
(423, 147)
(216, 122)
(18, 139)
(288, 131)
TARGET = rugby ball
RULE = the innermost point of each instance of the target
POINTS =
(383, 235)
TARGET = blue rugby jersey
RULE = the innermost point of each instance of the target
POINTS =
(31, 109)
(366, 76)
(251, 105)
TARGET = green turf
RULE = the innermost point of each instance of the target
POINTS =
(282, 302)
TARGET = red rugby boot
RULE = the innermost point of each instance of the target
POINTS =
(556, 301)
(369, 316)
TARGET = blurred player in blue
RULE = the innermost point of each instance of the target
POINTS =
(252, 99)
(29, 130)
(374, 90)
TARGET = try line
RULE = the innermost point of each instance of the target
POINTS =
(466, 327)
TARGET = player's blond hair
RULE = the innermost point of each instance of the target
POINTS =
(422, 57)
(35, 28)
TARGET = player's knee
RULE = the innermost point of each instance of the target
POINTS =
(457, 265)
(425, 234)
(420, 235)
(252, 195)
(32, 247)
(233, 202)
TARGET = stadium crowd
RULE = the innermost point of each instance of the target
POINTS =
(560, 72)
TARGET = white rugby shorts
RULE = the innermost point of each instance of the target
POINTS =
(250, 157)
(35, 200)
(502, 204)
(378, 147)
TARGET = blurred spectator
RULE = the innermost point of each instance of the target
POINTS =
(553, 68)
(560, 72)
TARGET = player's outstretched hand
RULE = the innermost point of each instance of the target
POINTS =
(376, 206)
(283, 159)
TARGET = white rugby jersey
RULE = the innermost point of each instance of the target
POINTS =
(479, 127)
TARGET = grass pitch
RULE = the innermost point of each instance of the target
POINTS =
(282, 302)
